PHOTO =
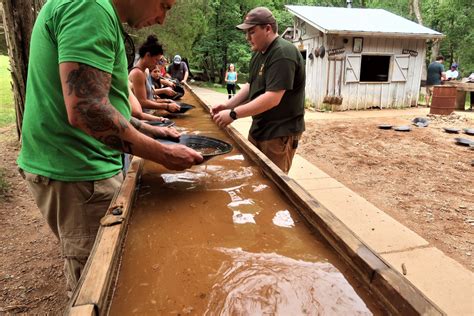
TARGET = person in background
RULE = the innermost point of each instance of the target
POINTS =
(435, 76)
(178, 70)
(73, 168)
(150, 53)
(470, 79)
(231, 80)
(155, 80)
(275, 93)
(452, 74)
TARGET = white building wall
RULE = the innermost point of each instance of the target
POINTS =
(362, 95)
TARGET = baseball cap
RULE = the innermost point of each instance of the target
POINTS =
(257, 16)
(177, 59)
(454, 65)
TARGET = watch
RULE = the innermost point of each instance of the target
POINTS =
(233, 115)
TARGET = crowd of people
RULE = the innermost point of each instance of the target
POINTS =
(94, 108)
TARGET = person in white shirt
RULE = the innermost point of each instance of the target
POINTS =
(452, 74)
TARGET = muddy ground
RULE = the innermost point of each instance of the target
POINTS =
(421, 178)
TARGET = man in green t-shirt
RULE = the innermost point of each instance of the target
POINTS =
(274, 94)
(435, 76)
(77, 119)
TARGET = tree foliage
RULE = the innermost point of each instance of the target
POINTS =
(204, 30)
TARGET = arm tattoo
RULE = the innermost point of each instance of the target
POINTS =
(91, 86)
(136, 123)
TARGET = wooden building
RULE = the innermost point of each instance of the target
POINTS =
(359, 58)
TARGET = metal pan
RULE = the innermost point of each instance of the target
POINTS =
(451, 130)
(469, 131)
(463, 141)
(385, 126)
(208, 147)
(403, 128)
(165, 123)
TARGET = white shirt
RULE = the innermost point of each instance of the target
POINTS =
(452, 74)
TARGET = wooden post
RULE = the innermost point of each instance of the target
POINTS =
(18, 19)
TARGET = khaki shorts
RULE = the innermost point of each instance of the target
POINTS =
(280, 150)
(73, 211)
(429, 90)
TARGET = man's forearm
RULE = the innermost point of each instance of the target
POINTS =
(85, 91)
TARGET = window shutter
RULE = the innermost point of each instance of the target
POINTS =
(353, 68)
(400, 68)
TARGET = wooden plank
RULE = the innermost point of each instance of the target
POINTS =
(83, 310)
(95, 283)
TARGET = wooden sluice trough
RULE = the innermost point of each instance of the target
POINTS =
(214, 244)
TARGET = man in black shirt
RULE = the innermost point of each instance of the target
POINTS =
(274, 95)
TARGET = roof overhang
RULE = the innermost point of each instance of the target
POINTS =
(364, 33)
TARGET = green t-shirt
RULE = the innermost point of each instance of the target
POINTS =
(87, 32)
(281, 67)
(435, 69)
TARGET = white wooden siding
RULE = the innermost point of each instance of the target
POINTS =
(402, 89)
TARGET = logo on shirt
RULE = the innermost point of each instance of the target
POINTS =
(260, 72)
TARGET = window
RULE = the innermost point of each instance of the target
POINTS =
(374, 68)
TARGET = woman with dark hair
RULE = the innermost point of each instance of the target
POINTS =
(150, 53)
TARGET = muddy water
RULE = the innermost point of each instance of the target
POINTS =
(219, 239)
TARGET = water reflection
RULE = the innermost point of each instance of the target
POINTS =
(206, 177)
(271, 284)
(283, 219)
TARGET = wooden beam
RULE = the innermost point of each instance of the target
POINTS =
(96, 281)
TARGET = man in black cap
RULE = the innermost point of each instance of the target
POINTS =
(274, 94)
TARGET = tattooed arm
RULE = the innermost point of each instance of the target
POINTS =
(86, 91)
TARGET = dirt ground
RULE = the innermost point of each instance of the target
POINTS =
(420, 178)
(31, 278)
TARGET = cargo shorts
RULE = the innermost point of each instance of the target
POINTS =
(73, 211)
(280, 150)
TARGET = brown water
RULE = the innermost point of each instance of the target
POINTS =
(220, 239)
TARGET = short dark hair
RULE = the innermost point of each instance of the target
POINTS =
(440, 57)
(151, 46)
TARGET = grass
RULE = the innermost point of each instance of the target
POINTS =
(7, 108)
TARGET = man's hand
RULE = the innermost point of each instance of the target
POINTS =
(164, 132)
(169, 91)
(172, 107)
(180, 157)
(217, 108)
(168, 83)
(222, 118)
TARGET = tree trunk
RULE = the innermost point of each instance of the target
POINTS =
(435, 49)
(417, 11)
(18, 19)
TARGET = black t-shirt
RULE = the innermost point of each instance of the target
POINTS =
(281, 67)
